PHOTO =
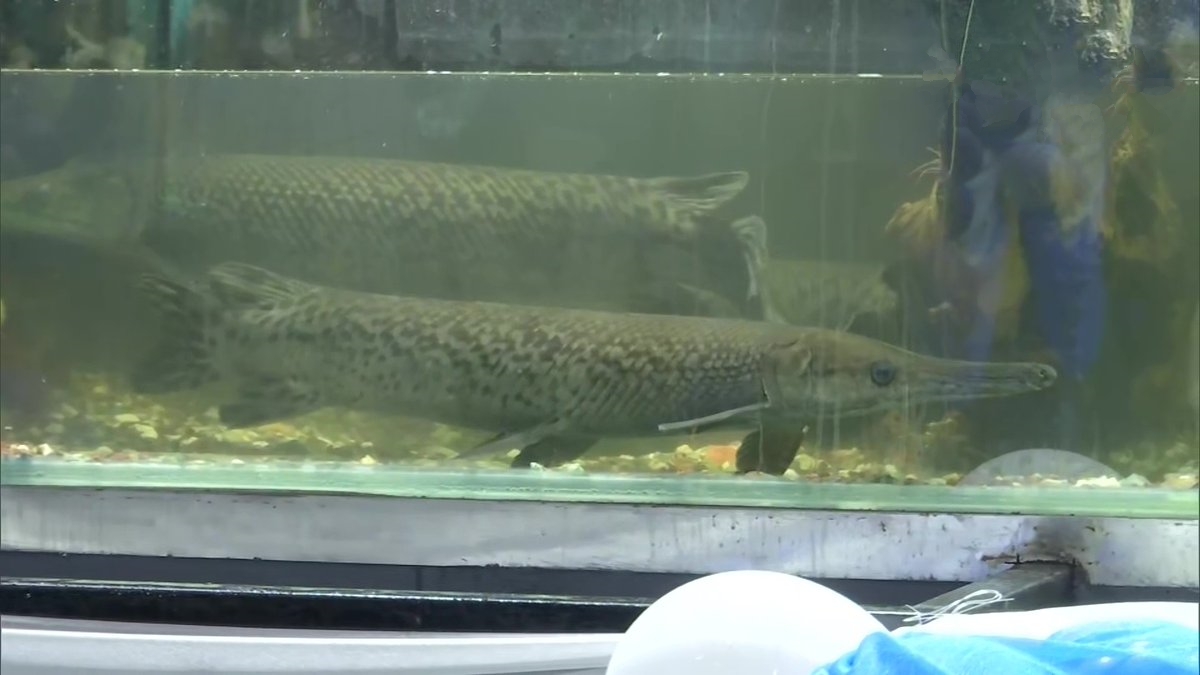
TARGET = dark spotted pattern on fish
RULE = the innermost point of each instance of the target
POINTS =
(556, 379)
(489, 365)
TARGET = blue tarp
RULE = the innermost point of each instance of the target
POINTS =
(1109, 647)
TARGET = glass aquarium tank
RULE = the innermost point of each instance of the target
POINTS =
(935, 257)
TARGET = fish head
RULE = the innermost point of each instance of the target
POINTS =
(823, 372)
(81, 199)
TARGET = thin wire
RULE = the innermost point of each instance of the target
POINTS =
(962, 54)
(968, 603)
(831, 110)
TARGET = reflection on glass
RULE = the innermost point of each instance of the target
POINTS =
(641, 265)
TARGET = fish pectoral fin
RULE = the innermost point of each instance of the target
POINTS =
(708, 420)
(262, 400)
(701, 194)
(514, 440)
(554, 450)
(769, 449)
(242, 285)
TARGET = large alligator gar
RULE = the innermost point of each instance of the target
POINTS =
(414, 228)
(550, 381)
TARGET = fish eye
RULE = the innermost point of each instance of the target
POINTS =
(883, 373)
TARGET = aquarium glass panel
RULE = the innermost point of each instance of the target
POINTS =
(922, 255)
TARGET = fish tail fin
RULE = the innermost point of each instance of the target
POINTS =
(244, 286)
(183, 357)
(701, 194)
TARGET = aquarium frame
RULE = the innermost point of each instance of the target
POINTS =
(164, 626)
(78, 594)
(336, 528)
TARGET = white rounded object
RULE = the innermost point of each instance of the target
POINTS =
(747, 622)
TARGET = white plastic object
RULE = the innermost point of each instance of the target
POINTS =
(747, 622)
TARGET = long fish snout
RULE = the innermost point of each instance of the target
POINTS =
(1042, 376)
(1033, 376)
(967, 379)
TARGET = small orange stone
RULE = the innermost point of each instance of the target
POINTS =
(720, 454)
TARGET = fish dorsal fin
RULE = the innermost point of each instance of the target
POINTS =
(239, 284)
(751, 232)
(791, 358)
(701, 194)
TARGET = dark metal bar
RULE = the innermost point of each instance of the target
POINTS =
(1024, 586)
(331, 609)
(484, 580)
(280, 607)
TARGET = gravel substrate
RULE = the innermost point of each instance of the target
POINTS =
(94, 421)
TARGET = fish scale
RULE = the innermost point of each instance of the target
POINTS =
(463, 232)
(414, 228)
(551, 362)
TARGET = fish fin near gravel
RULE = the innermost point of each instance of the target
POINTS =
(264, 399)
(247, 286)
(182, 358)
(514, 440)
(769, 449)
(553, 451)
(701, 194)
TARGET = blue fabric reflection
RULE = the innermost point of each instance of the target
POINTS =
(1108, 648)
(1022, 187)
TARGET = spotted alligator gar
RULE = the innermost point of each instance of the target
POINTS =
(549, 381)
(414, 228)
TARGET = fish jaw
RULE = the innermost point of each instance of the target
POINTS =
(835, 373)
